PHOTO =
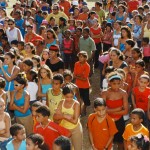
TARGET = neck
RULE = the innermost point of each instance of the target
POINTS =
(44, 123)
(137, 127)
(114, 90)
(141, 88)
(20, 91)
(10, 65)
(17, 141)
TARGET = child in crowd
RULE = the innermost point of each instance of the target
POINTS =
(36, 142)
(44, 56)
(32, 86)
(48, 129)
(18, 134)
(21, 49)
(81, 75)
(72, 26)
(135, 127)
(30, 50)
(117, 105)
(45, 82)
(139, 142)
(54, 95)
(20, 103)
(67, 114)
(68, 48)
(100, 122)
(62, 143)
(146, 52)
(36, 62)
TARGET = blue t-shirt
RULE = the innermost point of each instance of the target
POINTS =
(10, 145)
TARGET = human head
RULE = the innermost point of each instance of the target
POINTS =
(36, 61)
(2, 105)
(44, 71)
(42, 113)
(68, 89)
(62, 143)
(27, 64)
(17, 131)
(2, 83)
(20, 81)
(68, 76)
(57, 81)
(67, 33)
(21, 45)
(34, 107)
(121, 8)
(122, 73)
(32, 76)
(139, 65)
(36, 141)
(126, 32)
(136, 53)
(109, 69)
(129, 44)
(137, 116)
(79, 31)
(143, 81)
(86, 32)
(138, 18)
(54, 51)
(9, 58)
(139, 142)
(145, 41)
(83, 56)
(11, 23)
(116, 54)
(117, 25)
(30, 48)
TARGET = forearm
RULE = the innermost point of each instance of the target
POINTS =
(109, 141)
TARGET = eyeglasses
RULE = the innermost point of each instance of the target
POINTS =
(17, 84)
(10, 24)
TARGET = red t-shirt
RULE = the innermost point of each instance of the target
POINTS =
(51, 132)
(141, 98)
(132, 5)
(96, 32)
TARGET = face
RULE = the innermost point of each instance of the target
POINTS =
(17, 86)
(34, 110)
(68, 79)
(133, 146)
(39, 118)
(43, 73)
(124, 33)
(21, 135)
(138, 68)
(49, 35)
(85, 34)
(20, 47)
(143, 83)
(127, 46)
(56, 147)
(2, 106)
(52, 54)
(100, 111)
(8, 60)
(30, 145)
(115, 84)
(113, 56)
(134, 54)
(135, 120)
(52, 22)
(29, 29)
(35, 63)
(55, 10)
(26, 67)
(137, 19)
(45, 55)
(56, 84)
(116, 25)
(28, 49)
(11, 24)
(67, 34)
(120, 9)
(69, 96)
(148, 17)
(81, 58)
(2, 13)
(78, 32)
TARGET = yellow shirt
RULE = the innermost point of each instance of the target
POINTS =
(70, 111)
(53, 101)
(57, 16)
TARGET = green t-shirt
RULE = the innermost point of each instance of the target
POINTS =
(101, 14)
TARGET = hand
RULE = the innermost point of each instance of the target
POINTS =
(68, 117)
(1, 63)
(94, 148)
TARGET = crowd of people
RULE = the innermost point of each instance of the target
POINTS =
(48, 53)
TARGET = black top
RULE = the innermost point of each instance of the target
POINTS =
(123, 65)
(55, 67)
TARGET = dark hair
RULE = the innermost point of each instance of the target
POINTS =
(141, 7)
(31, 46)
(67, 72)
(58, 77)
(38, 140)
(55, 28)
(43, 110)
(15, 42)
(124, 8)
(21, 79)
(140, 17)
(109, 69)
(137, 50)
(141, 141)
(34, 75)
(41, 28)
(64, 20)
(146, 6)
(145, 76)
(2, 83)
(86, 29)
(11, 55)
(79, 28)
(21, 43)
(5, 38)
(11, 20)
(15, 128)
(99, 102)
(118, 22)
(63, 142)
(114, 76)
(127, 29)
(140, 62)
(145, 39)
(37, 104)
(99, 4)
(28, 62)
(53, 32)
(67, 89)
(91, 13)
(118, 53)
(140, 113)
(130, 42)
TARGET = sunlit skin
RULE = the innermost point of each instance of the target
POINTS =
(8, 60)
(56, 147)
(133, 146)
(136, 121)
(115, 84)
(113, 56)
(100, 111)
(21, 135)
(143, 83)
(30, 145)
(43, 73)
(56, 85)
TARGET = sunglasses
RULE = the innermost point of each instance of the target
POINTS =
(17, 84)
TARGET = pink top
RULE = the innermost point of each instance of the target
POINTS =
(146, 51)
(104, 58)
(67, 44)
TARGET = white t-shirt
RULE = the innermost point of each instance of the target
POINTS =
(32, 88)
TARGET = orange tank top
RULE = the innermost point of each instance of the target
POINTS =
(114, 104)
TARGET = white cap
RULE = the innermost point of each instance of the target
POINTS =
(18, 2)
(75, 3)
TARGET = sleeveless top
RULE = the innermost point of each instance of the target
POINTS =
(53, 101)
(114, 104)
(49, 44)
(70, 111)
(67, 44)
(20, 102)
(137, 31)
(45, 88)
(9, 85)
(146, 31)
(116, 37)
(120, 18)
(123, 65)
(122, 47)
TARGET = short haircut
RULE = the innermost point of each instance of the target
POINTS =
(145, 39)
(15, 42)
(67, 72)
(140, 112)
(99, 102)
(37, 104)
(83, 53)
(63, 142)
(15, 128)
(67, 89)
(21, 43)
(109, 69)
(140, 62)
(28, 62)
(43, 110)
(86, 29)
(130, 42)
(58, 77)
(79, 28)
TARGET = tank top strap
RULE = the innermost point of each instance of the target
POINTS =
(1, 95)
(73, 104)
